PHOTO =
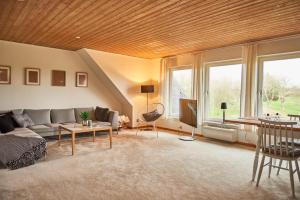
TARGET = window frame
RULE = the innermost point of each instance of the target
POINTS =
(260, 74)
(178, 68)
(207, 66)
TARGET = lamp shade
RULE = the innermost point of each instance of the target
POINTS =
(147, 88)
(223, 105)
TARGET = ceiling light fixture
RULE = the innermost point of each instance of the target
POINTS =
(77, 37)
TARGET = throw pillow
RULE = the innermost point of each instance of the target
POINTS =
(6, 123)
(23, 120)
(102, 114)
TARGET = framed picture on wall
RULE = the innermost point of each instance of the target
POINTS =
(81, 79)
(58, 78)
(5, 74)
(32, 76)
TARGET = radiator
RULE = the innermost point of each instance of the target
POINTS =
(220, 133)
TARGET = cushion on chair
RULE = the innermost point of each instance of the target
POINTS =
(63, 115)
(90, 110)
(151, 116)
(284, 153)
(41, 116)
(101, 114)
(6, 123)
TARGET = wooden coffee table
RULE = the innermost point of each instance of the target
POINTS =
(83, 129)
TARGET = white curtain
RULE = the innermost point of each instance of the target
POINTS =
(199, 86)
(163, 86)
(249, 87)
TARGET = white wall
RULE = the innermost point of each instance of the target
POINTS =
(128, 74)
(18, 95)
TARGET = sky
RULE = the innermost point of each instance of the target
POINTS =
(289, 69)
(231, 72)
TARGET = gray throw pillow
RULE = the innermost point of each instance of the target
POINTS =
(23, 120)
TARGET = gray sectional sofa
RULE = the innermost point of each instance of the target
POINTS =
(47, 121)
(25, 144)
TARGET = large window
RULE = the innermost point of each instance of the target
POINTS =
(280, 85)
(181, 86)
(223, 85)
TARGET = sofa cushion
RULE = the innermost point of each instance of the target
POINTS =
(41, 116)
(63, 115)
(23, 120)
(42, 128)
(6, 123)
(90, 110)
(98, 123)
(101, 114)
(70, 125)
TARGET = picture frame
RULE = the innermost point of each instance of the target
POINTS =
(32, 76)
(58, 78)
(81, 79)
(5, 74)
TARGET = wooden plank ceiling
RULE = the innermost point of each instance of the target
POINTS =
(146, 28)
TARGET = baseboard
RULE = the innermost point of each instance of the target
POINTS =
(179, 131)
(246, 144)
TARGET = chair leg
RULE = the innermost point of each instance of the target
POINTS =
(270, 167)
(297, 168)
(155, 129)
(292, 177)
(260, 169)
(137, 129)
(280, 163)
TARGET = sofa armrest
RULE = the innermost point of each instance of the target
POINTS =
(113, 118)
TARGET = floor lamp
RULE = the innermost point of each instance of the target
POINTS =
(147, 89)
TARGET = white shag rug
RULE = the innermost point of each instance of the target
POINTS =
(143, 167)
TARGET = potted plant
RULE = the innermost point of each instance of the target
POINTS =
(84, 116)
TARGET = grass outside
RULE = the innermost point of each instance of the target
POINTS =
(291, 106)
(232, 112)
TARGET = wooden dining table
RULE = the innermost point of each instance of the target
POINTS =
(257, 123)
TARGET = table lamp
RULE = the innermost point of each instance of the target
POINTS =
(147, 89)
(223, 107)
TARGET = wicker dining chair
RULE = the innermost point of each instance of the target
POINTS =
(277, 142)
(294, 117)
